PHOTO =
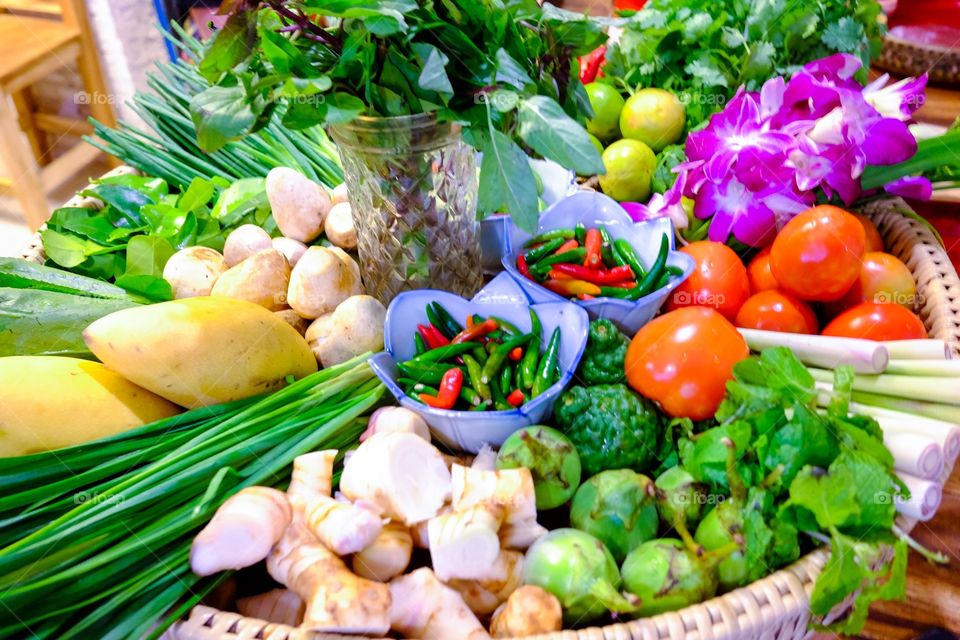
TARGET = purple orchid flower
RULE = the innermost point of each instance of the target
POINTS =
(913, 187)
(898, 100)
(669, 204)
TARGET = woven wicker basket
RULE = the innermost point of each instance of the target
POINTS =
(776, 607)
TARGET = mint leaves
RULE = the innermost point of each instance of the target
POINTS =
(508, 67)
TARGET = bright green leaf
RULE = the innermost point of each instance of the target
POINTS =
(544, 126)
(221, 114)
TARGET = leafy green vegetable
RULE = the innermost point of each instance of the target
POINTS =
(706, 56)
(504, 70)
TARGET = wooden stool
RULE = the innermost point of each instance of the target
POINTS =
(45, 38)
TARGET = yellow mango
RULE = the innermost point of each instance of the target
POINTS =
(201, 351)
(49, 402)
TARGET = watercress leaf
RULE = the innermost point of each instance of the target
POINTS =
(150, 287)
(230, 46)
(221, 114)
(840, 576)
(511, 72)
(544, 126)
(146, 256)
(506, 180)
(341, 107)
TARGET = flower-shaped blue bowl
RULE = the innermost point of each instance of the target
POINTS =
(593, 210)
(470, 430)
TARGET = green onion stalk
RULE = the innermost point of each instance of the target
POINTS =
(96, 537)
(168, 149)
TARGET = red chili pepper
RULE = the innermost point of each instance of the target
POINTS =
(569, 245)
(516, 398)
(522, 266)
(516, 353)
(572, 288)
(596, 276)
(590, 65)
(432, 336)
(593, 244)
(477, 331)
(629, 284)
(586, 296)
(553, 274)
(449, 391)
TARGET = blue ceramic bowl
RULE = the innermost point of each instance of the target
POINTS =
(470, 430)
(594, 209)
(496, 232)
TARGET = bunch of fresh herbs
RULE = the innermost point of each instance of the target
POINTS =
(142, 223)
(705, 54)
(505, 69)
(798, 477)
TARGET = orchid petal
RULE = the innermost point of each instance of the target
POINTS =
(913, 187)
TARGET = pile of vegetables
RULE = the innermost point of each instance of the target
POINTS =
(584, 264)
(489, 364)
(170, 148)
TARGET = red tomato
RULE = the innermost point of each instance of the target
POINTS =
(719, 280)
(683, 360)
(877, 321)
(874, 241)
(773, 310)
(759, 273)
(816, 256)
(883, 278)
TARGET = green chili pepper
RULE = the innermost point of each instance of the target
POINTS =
(547, 236)
(580, 233)
(547, 364)
(448, 321)
(475, 375)
(507, 325)
(428, 373)
(443, 353)
(663, 281)
(615, 292)
(518, 372)
(674, 270)
(542, 251)
(499, 401)
(528, 365)
(435, 321)
(574, 256)
(506, 378)
(419, 344)
(499, 356)
(611, 245)
(629, 255)
(480, 354)
(646, 285)
(470, 396)
(483, 406)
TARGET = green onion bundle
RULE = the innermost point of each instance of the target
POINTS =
(170, 150)
(96, 537)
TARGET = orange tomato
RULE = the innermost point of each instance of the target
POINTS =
(816, 256)
(683, 360)
(883, 278)
(718, 281)
(874, 241)
(773, 310)
(877, 321)
(759, 273)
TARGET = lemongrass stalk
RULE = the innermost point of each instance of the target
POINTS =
(865, 356)
(940, 389)
(924, 500)
(926, 368)
(915, 454)
(924, 349)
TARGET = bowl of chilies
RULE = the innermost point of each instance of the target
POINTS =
(477, 370)
(589, 251)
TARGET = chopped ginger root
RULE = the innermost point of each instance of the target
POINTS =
(423, 607)
(401, 473)
(241, 532)
(420, 531)
(386, 419)
(529, 611)
(345, 527)
(386, 557)
(312, 476)
(502, 579)
(485, 460)
(336, 600)
(510, 489)
(464, 544)
(279, 606)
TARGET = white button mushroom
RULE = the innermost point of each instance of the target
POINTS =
(193, 271)
(262, 279)
(243, 242)
(291, 249)
(339, 226)
(299, 205)
(339, 193)
(322, 279)
(354, 327)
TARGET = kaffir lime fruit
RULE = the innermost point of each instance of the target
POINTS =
(630, 165)
(654, 117)
(607, 103)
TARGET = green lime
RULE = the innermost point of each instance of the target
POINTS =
(607, 103)
(630, 165)
(654, 117)
(596, 142)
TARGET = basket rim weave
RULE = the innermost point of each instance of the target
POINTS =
(776, 606)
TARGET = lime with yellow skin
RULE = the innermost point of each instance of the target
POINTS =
(630, 165)
(653, 116)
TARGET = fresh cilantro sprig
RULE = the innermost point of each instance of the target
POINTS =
(705, 55)
(800, 475)
(505, 69)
